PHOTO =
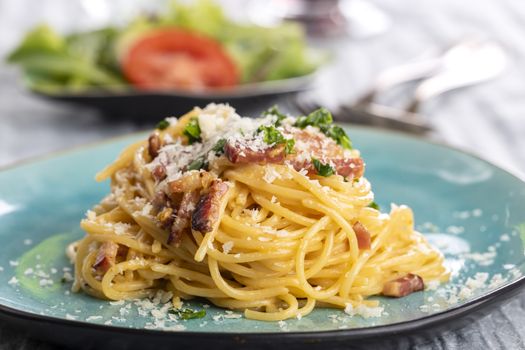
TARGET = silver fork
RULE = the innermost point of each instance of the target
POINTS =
(468, 62)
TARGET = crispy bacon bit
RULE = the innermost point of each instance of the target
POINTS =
(154, 145)
(347, 167)
(362, 235)
(206, 213)
(106, 256)
(312, 145)
(182, 220)
(239, 154)
(159, 172)
(192, 181)
(403, 286)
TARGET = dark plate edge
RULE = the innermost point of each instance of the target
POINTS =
(366, 332)
(272, 87)
(399, 328)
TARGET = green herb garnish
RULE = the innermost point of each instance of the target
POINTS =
(322, 119)
(338, 134)
(323, 169)
(193, 131)
(272, 136)
(319, 117)
(288, 146)
(275, 111)
(374, 205)
(198, 164)
(188, 314)
(163, 124)
(219, 147)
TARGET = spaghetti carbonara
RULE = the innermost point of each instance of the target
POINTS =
(269, 215)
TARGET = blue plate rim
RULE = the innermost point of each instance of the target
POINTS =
(363, 332)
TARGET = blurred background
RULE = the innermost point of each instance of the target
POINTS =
(353, 43)
(447, 70)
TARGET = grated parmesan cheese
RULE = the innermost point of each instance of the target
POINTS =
(504, 238)
(68, 277)
(91, 215)
(93, 318)
(271, 174)
(363, 310)
(227, 247)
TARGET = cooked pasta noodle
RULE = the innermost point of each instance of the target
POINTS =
(284, 240)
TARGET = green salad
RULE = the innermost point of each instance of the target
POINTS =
(188, 46)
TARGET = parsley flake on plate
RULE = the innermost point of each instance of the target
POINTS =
(188, 314)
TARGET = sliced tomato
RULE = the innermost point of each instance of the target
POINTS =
(175, 58)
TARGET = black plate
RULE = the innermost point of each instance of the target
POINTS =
(153, 105)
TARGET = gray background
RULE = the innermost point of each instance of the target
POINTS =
(488, 119)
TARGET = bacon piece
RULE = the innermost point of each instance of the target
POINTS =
(241, 154)
(159, 173)
(312, 144)
(154, 145)
(206, 213)
(403, 286)
(182, 220)
(362, 235)
(347, 167)
(106, 256)
(192, 181)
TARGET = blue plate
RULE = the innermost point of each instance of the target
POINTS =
(473, 211)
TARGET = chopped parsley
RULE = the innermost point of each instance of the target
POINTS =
(193, 131)
(323, 169)
(275, 111)
(374, 205)
(163, 124)
(198, 164)
(319, 117)
(322, 119)
(272, 136)
(219, 147)
(188, 314)
(338, 134)
(288, 146)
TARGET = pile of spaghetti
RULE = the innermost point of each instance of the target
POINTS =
(269, 215)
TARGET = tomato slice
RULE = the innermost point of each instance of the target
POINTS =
(174, 58)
